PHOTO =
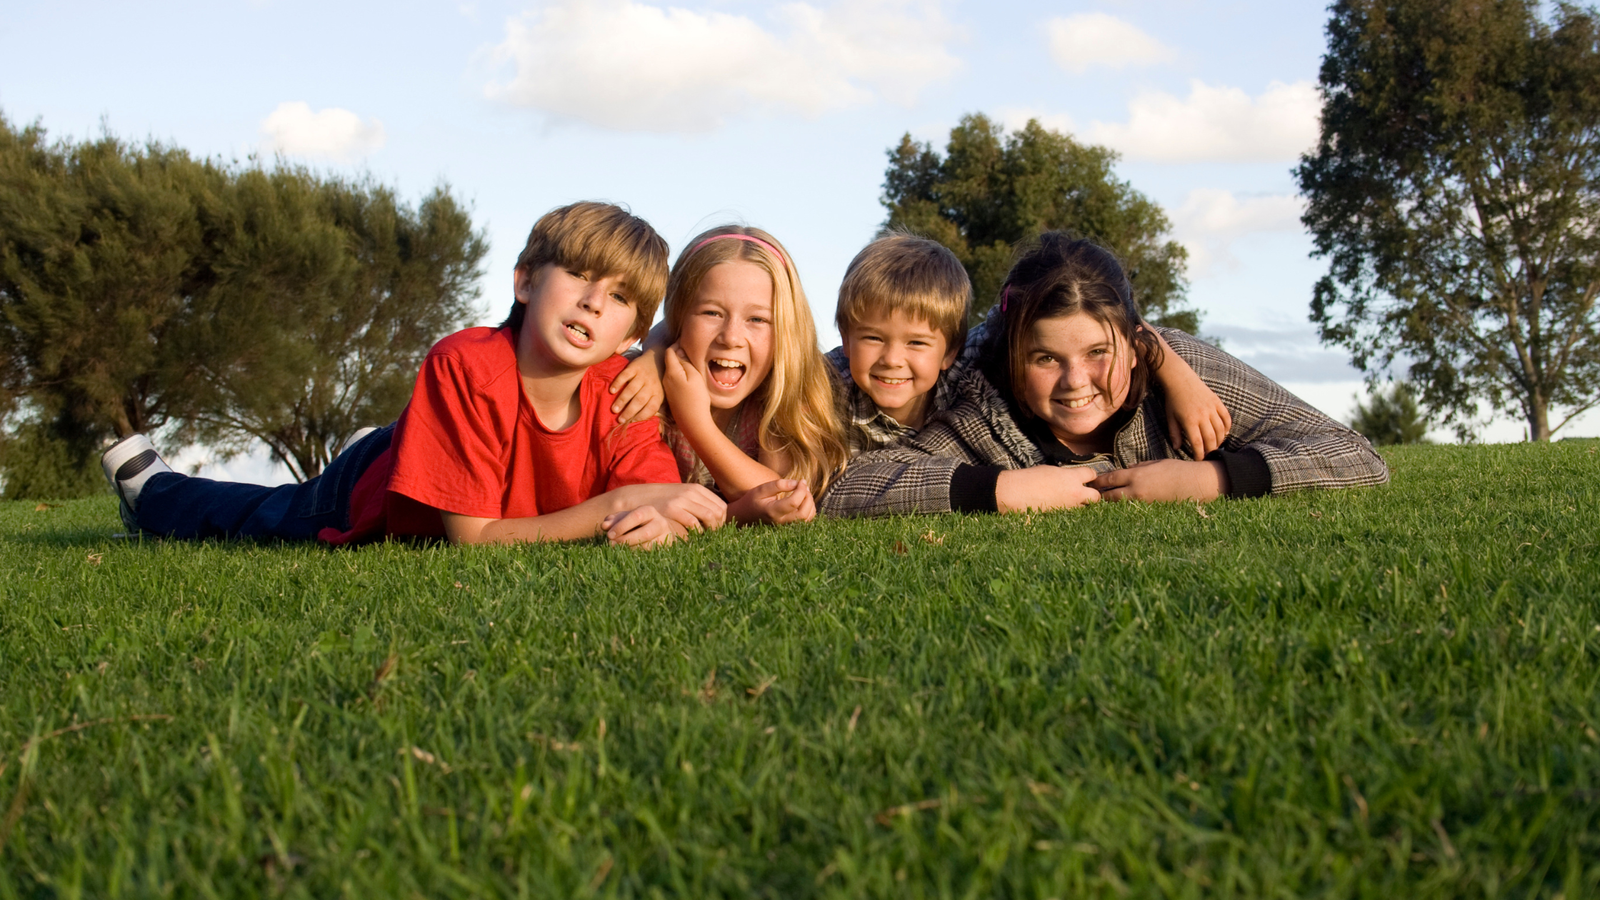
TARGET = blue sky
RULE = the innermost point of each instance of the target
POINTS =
(696, 112)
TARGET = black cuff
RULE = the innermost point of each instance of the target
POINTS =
(972, 488)
(1248, 475)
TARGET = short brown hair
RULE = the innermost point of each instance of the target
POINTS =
(604, 239)
(915, 276)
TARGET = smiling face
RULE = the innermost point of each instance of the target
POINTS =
(574, 319)
(1075, 377)
(727, 331)
(897, 359)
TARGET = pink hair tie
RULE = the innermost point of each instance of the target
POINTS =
(1005, 298)
(741, 237)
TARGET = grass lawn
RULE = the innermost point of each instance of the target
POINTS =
(1384, 692)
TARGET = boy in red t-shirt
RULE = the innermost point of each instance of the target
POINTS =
(508, 436)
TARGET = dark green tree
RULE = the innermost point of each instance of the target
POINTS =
(333, 291)
(101, 259)
(1455, 192)
(991, 191)
(144, 290)
(1391, 417)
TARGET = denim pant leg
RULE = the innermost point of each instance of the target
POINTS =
(185, 507)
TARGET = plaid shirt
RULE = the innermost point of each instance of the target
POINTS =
(1301, 447)
(869, 428)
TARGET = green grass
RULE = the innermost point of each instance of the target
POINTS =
(1386, 692)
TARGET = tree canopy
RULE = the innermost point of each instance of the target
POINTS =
(1455, 192)
(991, 191)
(143, 289)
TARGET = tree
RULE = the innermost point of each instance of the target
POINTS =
(141, 289)
(1391, 417)
(991, 191)
(101, 258)
(333, 291)
(1455, 191)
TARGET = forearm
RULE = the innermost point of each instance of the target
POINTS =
(734, 470)
(1327, 460)
(878, 484)
(570, 524)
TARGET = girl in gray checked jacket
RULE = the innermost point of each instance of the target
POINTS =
(1061, 411)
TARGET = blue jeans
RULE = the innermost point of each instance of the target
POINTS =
(181, 506)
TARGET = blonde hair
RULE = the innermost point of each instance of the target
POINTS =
(917, 277)
(604, 239)
(798, 417)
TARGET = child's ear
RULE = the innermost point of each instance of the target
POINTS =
(627, 342)
(949, 358)
(522, 282)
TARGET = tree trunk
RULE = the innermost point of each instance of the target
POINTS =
(1539, 419)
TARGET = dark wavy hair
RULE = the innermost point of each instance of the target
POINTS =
(1058, 275)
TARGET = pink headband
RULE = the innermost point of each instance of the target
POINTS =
(741, 237)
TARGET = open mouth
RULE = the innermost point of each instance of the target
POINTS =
(578, 331)
(725, 372)
(891, 382)
(1079, 403)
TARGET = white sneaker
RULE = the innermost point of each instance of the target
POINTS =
(351, 440)
(128, 464)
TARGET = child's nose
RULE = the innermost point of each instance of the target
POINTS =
(1075, 375)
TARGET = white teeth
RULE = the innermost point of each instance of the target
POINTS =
(579, 330)
(895, 381)
(1077, 404)
(726, 363)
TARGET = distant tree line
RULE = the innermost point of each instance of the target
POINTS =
(143, 289)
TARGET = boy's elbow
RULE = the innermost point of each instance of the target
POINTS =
(459, 529)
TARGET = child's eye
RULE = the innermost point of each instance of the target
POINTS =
(622, 298)
(581, 276)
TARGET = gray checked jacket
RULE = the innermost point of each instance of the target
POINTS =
(1278, 443)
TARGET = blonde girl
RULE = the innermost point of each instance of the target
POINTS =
(749, 396)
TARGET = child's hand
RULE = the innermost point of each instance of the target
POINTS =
(1196, 417)
(645, 527)
(1162, 480)
(638, 388)
(685, 386)
(1044, 487)
(776, 503)
(689, 505)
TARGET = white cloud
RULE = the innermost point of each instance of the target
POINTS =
(1217, 124)
(631, 66)
(333, 133)
(1014, 118)
(1210, 220)
(1080, 42)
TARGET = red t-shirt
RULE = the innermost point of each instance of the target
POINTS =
(469, 443)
